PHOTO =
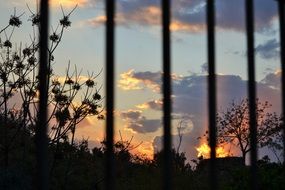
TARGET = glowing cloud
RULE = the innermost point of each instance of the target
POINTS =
(153, 104)
(131, 80)
(146, 149)
(97, 21)
(137, 123)
(147, 16)
(68, 3)
(128, 82)
(177, 26)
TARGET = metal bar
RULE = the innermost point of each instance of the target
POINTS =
(281, 8)
(167, 183)
(251, 91)
(212, 90)
(41, 129)
(110, 72)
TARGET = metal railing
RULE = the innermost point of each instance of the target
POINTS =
(41, 129)
(41, 135)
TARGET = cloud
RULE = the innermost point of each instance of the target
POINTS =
(231, 14)
(190, 99)
(139, 80)
(131, 115)
(97, 21)
(145, 13)
(204, 68)
(56, 3)
(191, 91)
(190, 15)
(131, 80)
(152, 104)
(145, 125)
(138, 123)
(268, 50)
(69, 3)
(272, 79)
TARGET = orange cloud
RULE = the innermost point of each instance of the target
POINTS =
(131, 81)
(178, 26)
(143, 106)
(153, 104)
(128, 82)
(68, 3)
(97, 21)
(150, 16)
(147, 15)
(146, 149)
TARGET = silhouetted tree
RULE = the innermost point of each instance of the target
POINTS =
(233, 125)
(71, 97)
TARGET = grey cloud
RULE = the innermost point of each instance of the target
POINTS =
(154, 77)
(155, 105)
(231, 14)
(272, 79)
(190, 98)
(204, 68)
(131, 114)
(139, 123)
(190, 92)
(268, 50)
(152, 104)
(132, 5)
(145, 126)
(190, 14)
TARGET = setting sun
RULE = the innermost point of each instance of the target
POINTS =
(204, 150)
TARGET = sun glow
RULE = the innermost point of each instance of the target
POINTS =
(204, 150)
(68, 3)
(146, 149)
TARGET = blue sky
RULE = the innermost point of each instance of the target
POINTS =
(138, 60)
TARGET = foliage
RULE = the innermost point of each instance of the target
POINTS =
(71, 98)
(79, 168)
(19, 82)
(178, 161)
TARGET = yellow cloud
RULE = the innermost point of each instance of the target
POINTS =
(185, 27)
(68, 3)
(143, 106)
(128, 82)
(147, 105)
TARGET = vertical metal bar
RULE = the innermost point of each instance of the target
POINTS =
(110, 72)
(167, 183)
(41, 129)
(212, 90)
(251, 91)
(281, 8)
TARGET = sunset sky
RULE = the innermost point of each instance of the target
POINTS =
(139, 63)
